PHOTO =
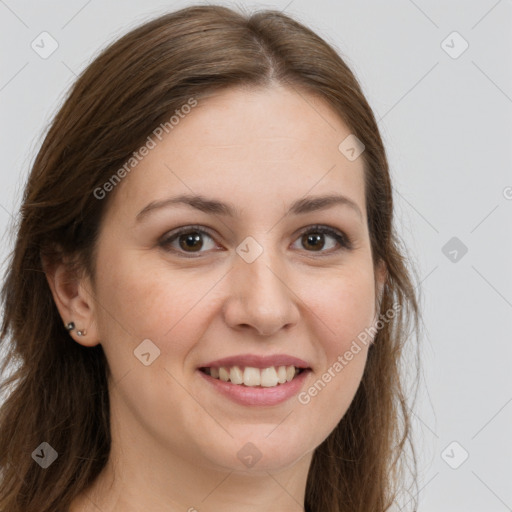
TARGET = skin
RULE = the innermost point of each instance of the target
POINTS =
(175, 440)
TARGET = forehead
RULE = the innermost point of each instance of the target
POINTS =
(241, 143)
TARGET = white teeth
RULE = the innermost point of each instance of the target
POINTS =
(249, 376)
(269, 377)
(223, 374)
(281, 374)
(236, 376)
(252, 376)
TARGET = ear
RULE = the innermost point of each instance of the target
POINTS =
(73, 296)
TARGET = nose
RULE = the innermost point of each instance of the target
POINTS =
(261, 298)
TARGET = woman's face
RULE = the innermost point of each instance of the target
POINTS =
(258, 282)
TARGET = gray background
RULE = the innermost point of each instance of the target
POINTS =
(446, 122)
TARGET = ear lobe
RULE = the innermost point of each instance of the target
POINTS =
(73, 299)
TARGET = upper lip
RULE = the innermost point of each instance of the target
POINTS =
(257, 361)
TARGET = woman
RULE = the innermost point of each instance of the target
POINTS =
(207, 300)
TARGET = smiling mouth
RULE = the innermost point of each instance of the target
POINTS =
(248, 376)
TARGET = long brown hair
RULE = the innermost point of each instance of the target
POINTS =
(57, 391)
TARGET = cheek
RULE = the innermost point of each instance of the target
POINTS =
(343, 306)
(141, 301)
(341, 310)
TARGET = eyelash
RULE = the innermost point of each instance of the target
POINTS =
(342, 239)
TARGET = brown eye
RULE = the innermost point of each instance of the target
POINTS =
(314, 239)
(186, 240)
(190, 241)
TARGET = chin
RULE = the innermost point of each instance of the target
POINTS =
(263, 450)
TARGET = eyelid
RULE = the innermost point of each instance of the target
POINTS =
(344, 241)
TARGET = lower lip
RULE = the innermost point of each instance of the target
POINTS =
(247, 395)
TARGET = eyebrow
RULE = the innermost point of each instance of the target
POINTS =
(212, 206)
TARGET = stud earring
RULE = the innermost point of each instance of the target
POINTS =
(71, 326)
